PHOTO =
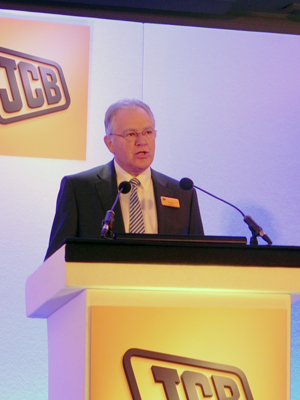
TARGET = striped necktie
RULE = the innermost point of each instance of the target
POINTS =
(136, 221)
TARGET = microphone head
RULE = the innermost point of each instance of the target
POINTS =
(124, 187)
(186, 184)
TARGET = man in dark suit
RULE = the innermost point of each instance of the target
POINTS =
(84, 198)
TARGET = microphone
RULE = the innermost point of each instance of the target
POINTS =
(109, 219)
(187, 184)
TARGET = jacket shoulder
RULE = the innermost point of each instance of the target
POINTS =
(164, 179)
(96, 173)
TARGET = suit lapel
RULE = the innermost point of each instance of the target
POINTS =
(106, 188)
(164, 218)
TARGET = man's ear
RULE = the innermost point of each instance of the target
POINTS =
(109, 144)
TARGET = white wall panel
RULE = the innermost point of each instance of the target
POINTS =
(227, 110)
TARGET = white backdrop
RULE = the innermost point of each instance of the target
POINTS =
(227, 109)
(226, 105)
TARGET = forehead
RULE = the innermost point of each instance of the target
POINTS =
(132, 118)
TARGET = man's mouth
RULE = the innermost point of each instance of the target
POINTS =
(141, 153)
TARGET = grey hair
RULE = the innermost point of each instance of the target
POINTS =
(123, 104)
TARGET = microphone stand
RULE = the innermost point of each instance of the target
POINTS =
(107, 225)
(253, 239)
(109, 219)
(253, 226)
(187, 184)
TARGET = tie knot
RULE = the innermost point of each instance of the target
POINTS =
(135, 182)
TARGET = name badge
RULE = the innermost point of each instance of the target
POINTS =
(170, 202)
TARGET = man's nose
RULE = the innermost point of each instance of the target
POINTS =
(140, 139)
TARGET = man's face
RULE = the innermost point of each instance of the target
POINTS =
(134, 157)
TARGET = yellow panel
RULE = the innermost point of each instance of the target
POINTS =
(252, 337)
(57, 127)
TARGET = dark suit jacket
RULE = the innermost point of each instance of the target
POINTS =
(84, 198)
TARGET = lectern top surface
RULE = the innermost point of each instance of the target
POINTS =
(172, 250)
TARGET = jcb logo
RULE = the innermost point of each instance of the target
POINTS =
(161, 376)
(29, 87)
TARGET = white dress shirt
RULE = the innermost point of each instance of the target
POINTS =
(146, 195)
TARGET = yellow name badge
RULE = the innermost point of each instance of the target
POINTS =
(170, 202)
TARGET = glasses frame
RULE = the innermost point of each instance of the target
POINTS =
(136, 135)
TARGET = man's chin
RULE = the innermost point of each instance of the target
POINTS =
(141, 166)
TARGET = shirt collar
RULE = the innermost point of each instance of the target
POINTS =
(122, 175)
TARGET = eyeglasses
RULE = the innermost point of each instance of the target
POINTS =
(132, 136)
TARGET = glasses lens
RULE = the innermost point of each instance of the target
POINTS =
(131, 136)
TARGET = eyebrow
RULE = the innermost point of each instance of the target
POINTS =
(136, 130)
